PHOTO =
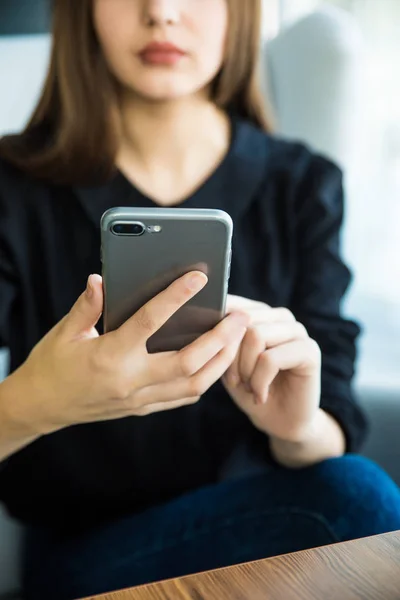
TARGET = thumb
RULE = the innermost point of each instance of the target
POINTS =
(87, 310)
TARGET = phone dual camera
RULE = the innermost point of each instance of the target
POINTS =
(134, 229)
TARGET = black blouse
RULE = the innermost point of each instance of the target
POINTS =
(287, 208)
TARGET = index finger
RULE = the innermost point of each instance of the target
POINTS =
(155, 313)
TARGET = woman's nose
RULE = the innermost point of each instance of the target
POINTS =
(159, 13)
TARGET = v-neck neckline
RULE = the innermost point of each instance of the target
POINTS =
(197, 197)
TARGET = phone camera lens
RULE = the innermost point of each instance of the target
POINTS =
(137, 229)
(117, 229)
(134, 229)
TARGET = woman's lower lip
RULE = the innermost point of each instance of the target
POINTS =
(161, 57)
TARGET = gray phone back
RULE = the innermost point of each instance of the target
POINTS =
(138, 267)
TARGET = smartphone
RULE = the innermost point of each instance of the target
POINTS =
(145, 250)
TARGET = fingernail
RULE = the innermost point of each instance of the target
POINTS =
(197, 281)
(89, 288)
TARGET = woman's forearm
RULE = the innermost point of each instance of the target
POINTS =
(325, 440)
(16, 431)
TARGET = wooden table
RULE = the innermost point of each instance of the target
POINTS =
(367, 569)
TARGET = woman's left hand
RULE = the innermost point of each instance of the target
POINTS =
(275, 377)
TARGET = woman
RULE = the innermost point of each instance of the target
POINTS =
(155, 102)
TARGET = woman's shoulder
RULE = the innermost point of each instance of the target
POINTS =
(11, 181)
(287, 177)
(281, 156)
(12, 176)
(18, 188)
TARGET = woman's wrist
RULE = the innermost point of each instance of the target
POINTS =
(17, 428)
(324, 439)
(17, 405)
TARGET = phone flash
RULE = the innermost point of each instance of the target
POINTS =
(154, 228)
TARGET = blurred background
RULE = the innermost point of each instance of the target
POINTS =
(331, 72)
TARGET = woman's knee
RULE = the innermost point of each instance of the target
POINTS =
(360, 497)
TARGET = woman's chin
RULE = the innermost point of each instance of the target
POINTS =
(164, 97)
(164, 92)
(161, 96)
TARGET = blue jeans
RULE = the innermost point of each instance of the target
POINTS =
(275, 512)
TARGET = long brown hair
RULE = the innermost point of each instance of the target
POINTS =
(70, 137)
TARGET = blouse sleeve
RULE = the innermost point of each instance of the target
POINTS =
(321, 282)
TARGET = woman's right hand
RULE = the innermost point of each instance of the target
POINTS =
(75, 376)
